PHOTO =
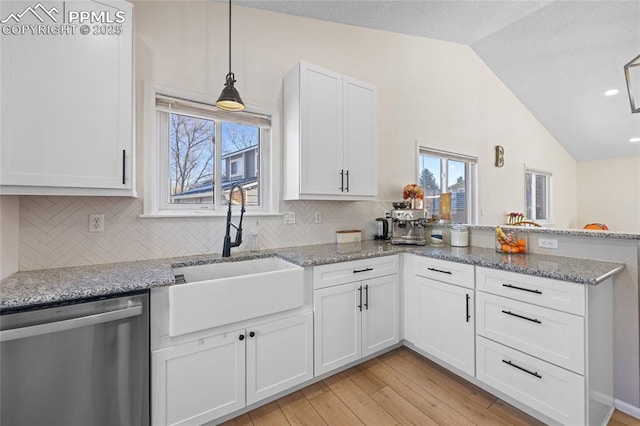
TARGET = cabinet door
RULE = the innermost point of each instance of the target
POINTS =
(337, 323)
(67, 101)
(360, 137)
(279, 356)
(321, 154)
(380, 314)
(445, 323)
(197, 382)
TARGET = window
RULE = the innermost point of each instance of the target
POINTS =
(538, 195)
(202, 152)
(445, 172)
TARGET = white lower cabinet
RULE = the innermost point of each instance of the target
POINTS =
(202, 380)
(445, 324)
(546, 344)
(439, 304)
(198, 381)
(279, 356)
(354, 319)
(547, 388)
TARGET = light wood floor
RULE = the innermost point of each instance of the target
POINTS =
(397, 388)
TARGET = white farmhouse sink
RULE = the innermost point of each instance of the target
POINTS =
(223, 293)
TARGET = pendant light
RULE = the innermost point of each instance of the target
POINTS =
(229, 99)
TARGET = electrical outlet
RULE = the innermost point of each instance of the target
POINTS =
(317, 217)
(96, 223)
(549, 243)
(289, 218)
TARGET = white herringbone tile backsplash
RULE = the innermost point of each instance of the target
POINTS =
(54, 230)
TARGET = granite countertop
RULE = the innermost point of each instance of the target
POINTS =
(49, 286)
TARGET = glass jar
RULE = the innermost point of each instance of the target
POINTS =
(511, 241)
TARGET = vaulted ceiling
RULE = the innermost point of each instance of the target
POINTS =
(557, 57)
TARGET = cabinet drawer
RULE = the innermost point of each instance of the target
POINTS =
(357, 270)
(551, 390)
(551, 335)
(554, 294)
(442, 270)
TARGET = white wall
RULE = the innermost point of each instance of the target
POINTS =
(429, 90)
(609, 193)
(9, 219)
(436, 92)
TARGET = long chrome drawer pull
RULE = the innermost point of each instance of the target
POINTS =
(439, 270)
(515, 287)
(357, 271)
(52, 327)
(537, 321)
(533, 373)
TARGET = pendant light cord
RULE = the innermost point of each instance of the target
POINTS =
(229, 36)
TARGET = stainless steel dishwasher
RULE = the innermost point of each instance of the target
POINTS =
(79, 364)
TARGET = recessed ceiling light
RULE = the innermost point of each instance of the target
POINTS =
(611, 92)
(634, 140)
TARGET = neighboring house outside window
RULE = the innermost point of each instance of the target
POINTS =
(203, 151)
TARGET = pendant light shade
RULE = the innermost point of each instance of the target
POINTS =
(229, 99)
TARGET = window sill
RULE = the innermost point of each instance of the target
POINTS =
(186, 214)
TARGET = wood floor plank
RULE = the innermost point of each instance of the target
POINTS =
(516, 417)
(453, 394)
(413, 365)
(299, 411)
(425, 401)
(454, 381)
(400, 408)
(333, 410)
(621, 419)
(366, 381)
(268, 415)
(243, 420)
(359, 402)
(315, 390)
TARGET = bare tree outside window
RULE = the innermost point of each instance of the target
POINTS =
(191, 160)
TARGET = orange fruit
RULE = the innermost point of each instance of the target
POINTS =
(505, 248)
(523, 249)
(515, 250)
(522, 243)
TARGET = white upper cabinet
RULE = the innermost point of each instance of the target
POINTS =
(330, 135)
(67, 115)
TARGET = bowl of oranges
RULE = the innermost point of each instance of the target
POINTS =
(510, 241)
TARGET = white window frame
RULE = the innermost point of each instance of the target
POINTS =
(471, 170)
(548, 201)
(155, 161)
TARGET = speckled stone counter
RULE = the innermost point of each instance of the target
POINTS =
(37, 288)
(49, 286)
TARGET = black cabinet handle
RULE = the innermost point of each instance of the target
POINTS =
(347, 188)
(241, 337)
(366, 297)
(341, 180)
(124, 165)
(515, 287)
(360, 305)
(468, 316)
(533, 373)
(439, 270)
(252, 334)
(357, 271)
(537, 321)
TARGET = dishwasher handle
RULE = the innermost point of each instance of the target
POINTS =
(52, 327)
